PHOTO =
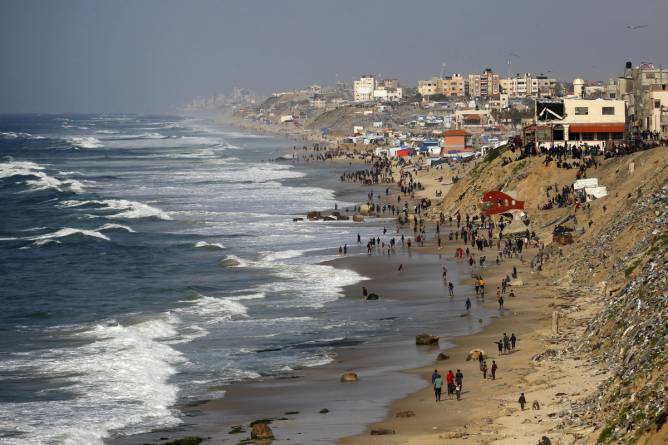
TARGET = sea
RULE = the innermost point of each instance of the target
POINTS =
(150, 260)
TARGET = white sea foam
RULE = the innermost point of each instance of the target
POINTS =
(284, 255)
(207, 245)
(41, 180)
(85, 142)
(212, 310)
(18, 135)
(107, 132)
(134, 209)
(69, 231)
(121, 379)
(261, 173)
(114, 227)
(152, 135)
(128, 209)
(233, 261)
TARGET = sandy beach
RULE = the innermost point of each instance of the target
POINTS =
(393, 401)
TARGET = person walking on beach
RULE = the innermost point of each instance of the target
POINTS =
(484, 370)
(445, 273)
(506, 342)
(459, 378)
(513, 340)
(401, 267)
(451, 289)
(501, 302)
(365, 292)
(450, 379)
(438, 386)
(522, 401)
(481, 359)
(458, 392)
(494, 368)
(359, 239)
(468, 304)
(345, 249)
(499, 344)
(434, 375)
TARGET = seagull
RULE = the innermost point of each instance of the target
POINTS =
(634, 27)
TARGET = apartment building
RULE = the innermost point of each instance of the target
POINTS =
(636, 88)
(363, 88)
(529, 85)
(485, 84)
(449, 86)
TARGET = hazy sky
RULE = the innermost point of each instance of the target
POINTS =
(150, 55)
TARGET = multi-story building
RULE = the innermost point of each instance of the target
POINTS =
(659, 119)
(529, 85)
(449, 86)
(576, 121)
(363, 88)
(385, 94)
(485, 84)
(636, 87)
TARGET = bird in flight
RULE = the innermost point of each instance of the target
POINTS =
(634, 27)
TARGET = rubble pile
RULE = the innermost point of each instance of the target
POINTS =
(629, 336)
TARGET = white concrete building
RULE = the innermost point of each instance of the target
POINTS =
(659, 118)
(363, 88)
(388, 94)
(575, 121)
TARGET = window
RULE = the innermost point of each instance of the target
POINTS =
(608, 111)
(581, 111)
(657, 103)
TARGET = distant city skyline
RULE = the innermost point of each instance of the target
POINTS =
(154, 55)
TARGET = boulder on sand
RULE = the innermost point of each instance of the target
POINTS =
(314, 216)
(442, 356)
(364, 209)
(517, 282)
(349, 377)
(382, 432)
(426, 339)
(358, 218)
(474, 354)
(372, 297)
(261, 431)
(404, 414)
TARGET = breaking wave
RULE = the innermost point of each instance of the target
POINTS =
(41, 180)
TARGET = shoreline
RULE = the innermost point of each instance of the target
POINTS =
(484, 411)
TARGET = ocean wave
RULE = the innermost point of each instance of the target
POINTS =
(46, 238)
(85, 142)
(129, 209)
(152, 135)
(210, 246)
(18, 135)
(212, 310)
(233, 261)
(261, 174)
(69, 231)
(286, 254)
(107, 132)
(120, 378)
(112, 226)
(41, 181)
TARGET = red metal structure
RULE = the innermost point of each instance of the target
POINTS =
(499, 202)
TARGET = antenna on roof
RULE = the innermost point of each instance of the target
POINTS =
(442, 70)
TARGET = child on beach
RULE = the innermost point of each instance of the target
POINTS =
(484, 370)
(494, 368)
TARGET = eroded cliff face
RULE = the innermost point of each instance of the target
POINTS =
(629, 335)
(616, 276)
